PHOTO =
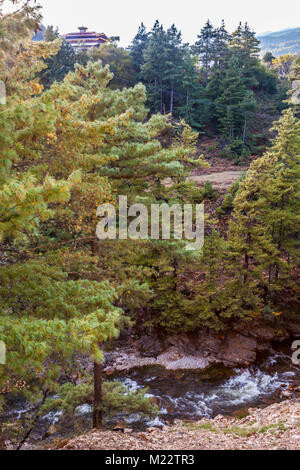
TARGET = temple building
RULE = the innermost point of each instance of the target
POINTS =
(85, 39)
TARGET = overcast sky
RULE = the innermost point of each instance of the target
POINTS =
(122, 17)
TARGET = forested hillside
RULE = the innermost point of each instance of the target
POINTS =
(281, 42)
(80, 129)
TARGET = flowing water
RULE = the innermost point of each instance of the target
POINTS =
(192, 395)
(180, 394)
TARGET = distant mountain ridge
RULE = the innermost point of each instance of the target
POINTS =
(281, 42)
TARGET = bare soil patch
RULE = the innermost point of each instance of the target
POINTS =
(220, 180)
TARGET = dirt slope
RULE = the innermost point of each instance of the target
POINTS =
(220, 180)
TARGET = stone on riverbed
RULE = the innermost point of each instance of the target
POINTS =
(172, 359)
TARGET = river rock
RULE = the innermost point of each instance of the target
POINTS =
(183, 342)
(51, 430)
(127, 430)
(235, 348)
(120, 426)
(238, 350)
(209, 342)
(286, 394)
(173, 359)
(150, 346)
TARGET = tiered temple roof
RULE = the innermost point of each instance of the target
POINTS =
(85, 39)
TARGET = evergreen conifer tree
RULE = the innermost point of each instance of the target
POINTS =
(205, 47)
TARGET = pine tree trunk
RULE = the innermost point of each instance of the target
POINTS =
(246, 267)
(244, 130)
(172, 99)
(206, 69)
(98, 398)
(187, 104)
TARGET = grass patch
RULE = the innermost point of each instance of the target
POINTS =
(273, 427)
(239, 431)
(197, 427)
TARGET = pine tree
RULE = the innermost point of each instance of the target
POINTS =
(228, 105)
(268, 58)
(24, 18)
(25, 195)
(207, 303)
(195, 107)
(221, 46)
(248, 104)
(61, 316)
(59, 65)
(137, 49)
(265, 217)
(205, 47)
(174, 64)
(245, 47)
(120, 64)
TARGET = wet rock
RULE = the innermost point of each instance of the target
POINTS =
(150, 346)
(263, 333)
(183, 342)
(238, 350)
(257, 330)
(238, 347)
(286, 394)
(209, 342)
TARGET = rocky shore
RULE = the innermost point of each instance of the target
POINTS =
(276, 427)
(238, 347)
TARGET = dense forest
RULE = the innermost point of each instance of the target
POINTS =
(80, 129)
(218, 85)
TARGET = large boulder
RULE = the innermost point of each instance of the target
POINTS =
(209, 342)
(238, 350)
(260, 331)
(150, 346)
